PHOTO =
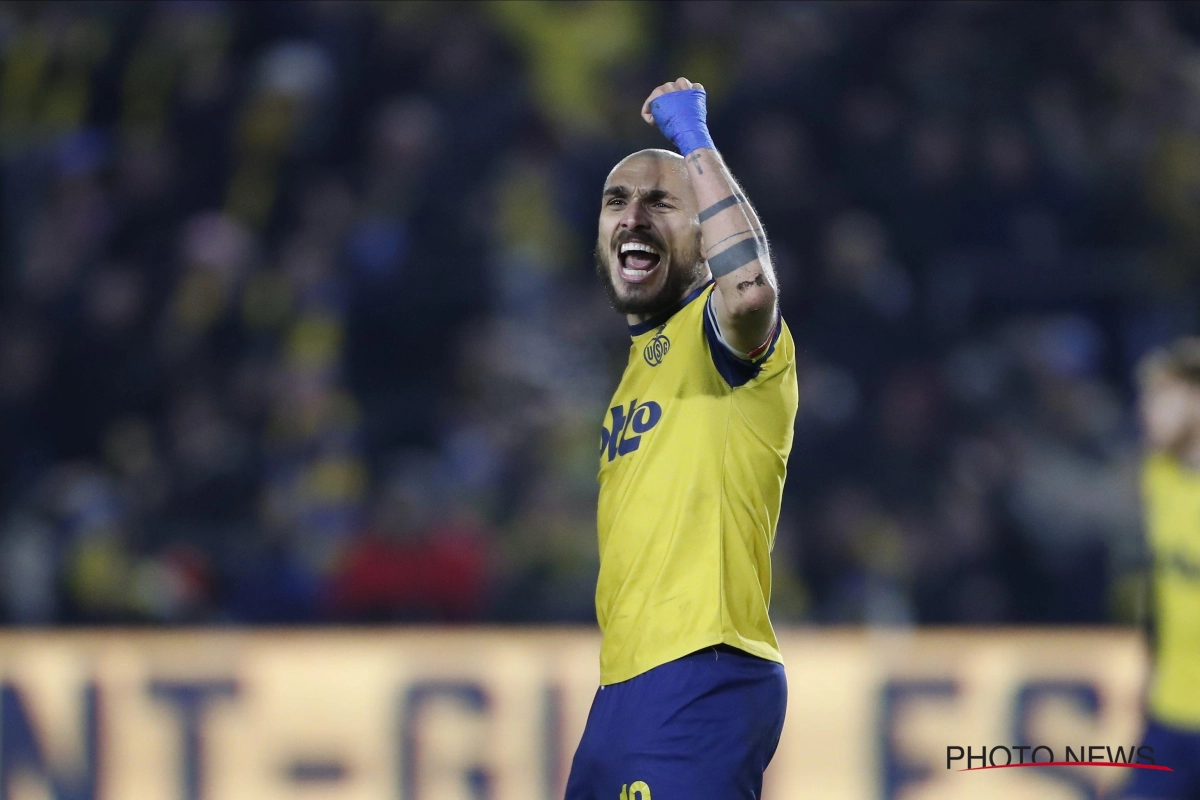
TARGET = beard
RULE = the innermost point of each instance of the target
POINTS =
(683, 273)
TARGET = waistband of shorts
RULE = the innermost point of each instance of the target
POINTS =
(723, 648)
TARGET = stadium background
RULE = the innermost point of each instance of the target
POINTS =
(298, 326)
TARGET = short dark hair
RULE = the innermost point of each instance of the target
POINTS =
(1180, 359)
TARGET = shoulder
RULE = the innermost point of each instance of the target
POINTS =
(775, 354)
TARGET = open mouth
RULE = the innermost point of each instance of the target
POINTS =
(637, 260)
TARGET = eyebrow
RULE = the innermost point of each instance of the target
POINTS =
(651, 196)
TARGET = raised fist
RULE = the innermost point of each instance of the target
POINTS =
(666, 88)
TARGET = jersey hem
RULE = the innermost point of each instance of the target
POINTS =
(758, 649)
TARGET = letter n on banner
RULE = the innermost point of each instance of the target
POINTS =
(23, 753)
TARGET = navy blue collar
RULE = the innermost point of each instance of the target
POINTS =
(661, 319)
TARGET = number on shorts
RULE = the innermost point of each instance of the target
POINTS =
(637, 791)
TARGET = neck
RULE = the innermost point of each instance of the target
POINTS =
(637, 319)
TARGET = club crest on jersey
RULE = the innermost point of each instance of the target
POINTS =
(656, 351)
(638, 420)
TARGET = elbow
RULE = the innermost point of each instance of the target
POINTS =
(754, 300)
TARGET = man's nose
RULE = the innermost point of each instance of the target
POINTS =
(635, 216)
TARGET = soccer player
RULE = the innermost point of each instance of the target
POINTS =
(693, 455)
(1170, 408)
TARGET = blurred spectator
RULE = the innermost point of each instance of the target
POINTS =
(412, 562)
(297, 319)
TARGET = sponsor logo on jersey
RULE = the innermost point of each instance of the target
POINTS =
(628, 426)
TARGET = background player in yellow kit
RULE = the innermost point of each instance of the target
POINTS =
(692, 463)
(1170, 405)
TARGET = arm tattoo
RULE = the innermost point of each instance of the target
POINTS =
(695, 159)
(726, 239)
(718, 207)
(734, 257)
(757, 280)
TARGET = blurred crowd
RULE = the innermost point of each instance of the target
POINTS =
(298, 319)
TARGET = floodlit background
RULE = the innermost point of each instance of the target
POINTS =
(298, 326)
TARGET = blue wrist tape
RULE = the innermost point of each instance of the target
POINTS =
(682, 116)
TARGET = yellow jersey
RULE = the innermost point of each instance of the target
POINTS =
(1172, 504)
(693, 456)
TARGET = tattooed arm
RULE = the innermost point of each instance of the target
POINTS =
(734, 243)
(736, 248)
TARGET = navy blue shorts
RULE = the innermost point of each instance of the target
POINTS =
(702, 727)
(1177, 749)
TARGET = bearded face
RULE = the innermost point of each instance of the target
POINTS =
(648, 252)
(642, 277)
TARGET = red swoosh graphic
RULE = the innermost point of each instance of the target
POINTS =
(1157, 767)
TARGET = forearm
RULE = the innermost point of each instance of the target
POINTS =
(733, 239)
(735, 246)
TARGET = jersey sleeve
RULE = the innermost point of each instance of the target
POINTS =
(736, 367)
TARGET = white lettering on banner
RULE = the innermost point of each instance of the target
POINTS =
(494, 713)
